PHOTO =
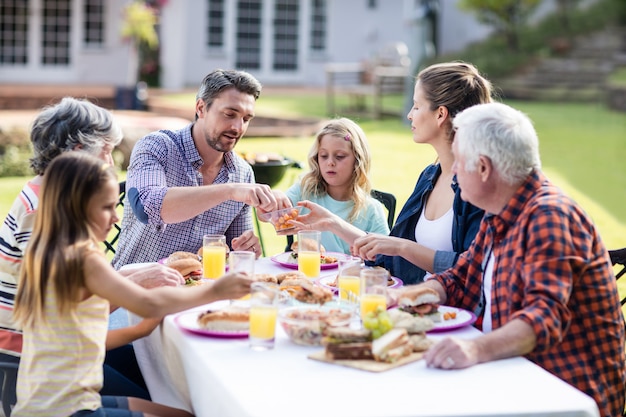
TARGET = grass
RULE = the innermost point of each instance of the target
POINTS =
(582, 148)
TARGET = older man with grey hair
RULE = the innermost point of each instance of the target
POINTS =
(537, 275)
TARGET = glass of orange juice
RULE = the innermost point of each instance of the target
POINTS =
(213, 256)
(373, 289)
(309, 252)
(349, 280)
(263, 313)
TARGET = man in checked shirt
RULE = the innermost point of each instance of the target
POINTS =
(537, 275)
(186, 183)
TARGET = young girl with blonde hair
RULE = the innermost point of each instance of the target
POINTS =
(338, 179)
(66, 290)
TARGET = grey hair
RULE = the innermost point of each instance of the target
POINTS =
(69, 124)
(503, 134)
(219, 80)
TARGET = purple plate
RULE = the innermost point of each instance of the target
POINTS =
(463, 318)
(188, 321)
(325, 281)
(286, 260)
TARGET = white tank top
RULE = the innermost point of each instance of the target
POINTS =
(435, 234)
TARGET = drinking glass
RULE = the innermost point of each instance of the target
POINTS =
(373, 289)
(213, 256)
(349, 280)
(309, 252)
(263, 312)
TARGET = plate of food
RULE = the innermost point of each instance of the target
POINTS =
(452, 318)
(331, 282)
(328, 260)
(227, 323)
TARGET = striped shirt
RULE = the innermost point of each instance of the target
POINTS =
(61, 367)
(552, 271)
(166, 159)
(14, 235)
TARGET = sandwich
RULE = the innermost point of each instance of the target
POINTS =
(231, 319)
(421, 301)
(311, 293)
(178, 255)
(416, 326)
(189, 268)
(266, 278)
(392, 346)
(291, 275)
(346, 343)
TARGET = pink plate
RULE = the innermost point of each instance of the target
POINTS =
(188, 321)
(324, 281)
(284, 259)
(463, 318)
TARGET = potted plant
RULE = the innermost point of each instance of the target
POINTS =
(139, 29)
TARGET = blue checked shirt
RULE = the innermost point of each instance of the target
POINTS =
(166, 159)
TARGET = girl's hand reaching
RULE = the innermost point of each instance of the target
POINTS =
(318, 218)
(232, 286)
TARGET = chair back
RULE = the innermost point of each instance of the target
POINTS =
(117, 228)
(618, 257)
(9, 383)
(388, 200)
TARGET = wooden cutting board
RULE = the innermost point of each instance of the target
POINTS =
(367, 364)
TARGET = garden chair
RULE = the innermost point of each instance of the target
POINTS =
(618, 257)
(9, 384)
(110, 243)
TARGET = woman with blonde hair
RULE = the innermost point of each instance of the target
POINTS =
(338, 179)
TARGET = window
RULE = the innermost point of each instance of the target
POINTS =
(286, 35)
(248, 35)
(215, 27)
(14, 32)
(55, 36)
(318, 25)
(93, 34)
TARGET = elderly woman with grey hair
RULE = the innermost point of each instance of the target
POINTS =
(68, 126)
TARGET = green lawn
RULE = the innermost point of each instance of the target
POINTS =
(582, 147)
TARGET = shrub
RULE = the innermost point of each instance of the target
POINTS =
(15, 151)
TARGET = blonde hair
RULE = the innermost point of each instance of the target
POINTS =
(313, 183)
(61, 237)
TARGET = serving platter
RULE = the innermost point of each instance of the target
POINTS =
(463, 318)
(188, 321)
(326, 281)
(286, 260)
(366, 364)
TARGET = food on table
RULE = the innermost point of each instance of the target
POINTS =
(324, 258)
(307, 292)
(189, 268)
(416, 326)
(449, 315)
(392, 346)
(307, 244)
(229, 319)
(266, 278)
(378, 322)
(421, 301)
(175, 256)
(305, 325)
(290, 276)
(347, 343)
(413, 324)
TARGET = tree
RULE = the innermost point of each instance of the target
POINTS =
(138, 27)
(506, 16)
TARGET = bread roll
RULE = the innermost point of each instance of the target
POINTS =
(265, 278)
(185, 266)
(225, 320)
(181, 255)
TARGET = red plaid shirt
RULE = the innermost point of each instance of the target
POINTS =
(553, 272)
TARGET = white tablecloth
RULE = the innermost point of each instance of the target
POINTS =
(223, 377)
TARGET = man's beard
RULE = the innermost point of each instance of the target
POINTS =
(219, 146)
